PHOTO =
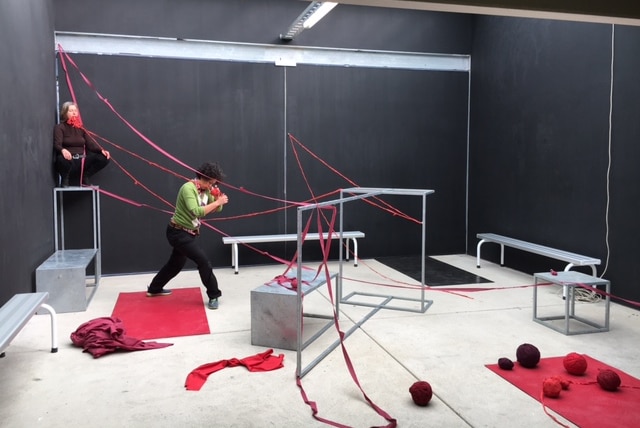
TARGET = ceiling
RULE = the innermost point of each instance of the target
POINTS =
(622, 12)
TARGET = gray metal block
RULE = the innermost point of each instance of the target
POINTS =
(273, 317)
(274, 310)
(63, 276)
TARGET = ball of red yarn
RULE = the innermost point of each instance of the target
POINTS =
(575, 363)
(551, 387)
(608, 380)
(421, 393)
(528, 355)
(563, 382)
(505, 363)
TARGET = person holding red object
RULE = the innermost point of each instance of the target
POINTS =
(75, 152)
(195, 200)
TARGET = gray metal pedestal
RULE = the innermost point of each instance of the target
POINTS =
(64, 274)
(570, 322)
(64, 277)
(274, 314)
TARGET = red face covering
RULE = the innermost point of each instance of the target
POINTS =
(75, 121)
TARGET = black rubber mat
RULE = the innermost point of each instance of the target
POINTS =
(436, 273)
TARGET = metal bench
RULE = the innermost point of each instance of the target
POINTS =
(572, 259)
(256, 239)
(15, 314)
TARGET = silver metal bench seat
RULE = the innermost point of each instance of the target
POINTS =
(15, 314)
(256, 239)
(572, 259)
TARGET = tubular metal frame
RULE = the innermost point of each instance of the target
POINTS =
(58, 228)
(357, 193)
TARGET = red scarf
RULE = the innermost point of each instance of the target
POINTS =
(262, 362)
(75, 121)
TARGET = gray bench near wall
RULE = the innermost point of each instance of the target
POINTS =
(256, 239)
(17, 312)
(572, 259)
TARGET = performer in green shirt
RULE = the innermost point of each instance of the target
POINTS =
(195, 200)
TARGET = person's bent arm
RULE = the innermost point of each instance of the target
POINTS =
(213, 206)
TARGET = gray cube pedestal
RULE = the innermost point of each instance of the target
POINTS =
(274, 312)
(273, 317)
(64, 277)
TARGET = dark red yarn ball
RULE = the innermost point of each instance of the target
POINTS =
(528, 355)
(608, 380)
(421, 393)
(575, 364)
(505, 363)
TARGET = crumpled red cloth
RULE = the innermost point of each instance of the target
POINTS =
(104, 335)
(262, 362)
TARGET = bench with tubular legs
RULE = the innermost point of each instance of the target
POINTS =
(15, 314)
(255, 239)
(572, 259)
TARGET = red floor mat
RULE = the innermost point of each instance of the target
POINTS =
(180, 314)
(585, 403)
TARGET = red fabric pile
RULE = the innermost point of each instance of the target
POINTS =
(101, 336)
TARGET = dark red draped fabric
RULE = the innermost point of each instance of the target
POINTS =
(102, 336)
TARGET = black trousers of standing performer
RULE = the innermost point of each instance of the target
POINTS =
(93, 162)
(185, 247)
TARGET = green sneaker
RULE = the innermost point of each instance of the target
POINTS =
(213, 304)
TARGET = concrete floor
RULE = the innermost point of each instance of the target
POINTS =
(447, 346)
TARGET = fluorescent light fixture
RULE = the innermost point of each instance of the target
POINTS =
(319, 13)
(308, 18)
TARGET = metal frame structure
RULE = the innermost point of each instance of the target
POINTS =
(357, 193)
(569, 281)
(58, 228)
(424, 304)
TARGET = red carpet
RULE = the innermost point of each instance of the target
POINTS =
(585, 404)
(180, 314)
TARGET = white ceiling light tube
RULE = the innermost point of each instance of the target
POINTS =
(320, 13)
(308, 18)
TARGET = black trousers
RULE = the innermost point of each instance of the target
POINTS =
(93, 163)
(185, 247)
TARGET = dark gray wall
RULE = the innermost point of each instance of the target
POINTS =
(540, 142)
(386, 128)
(258, 21)
(625, 175)
(27, 86)
(197, 111)
(539, 133)
(379, 127)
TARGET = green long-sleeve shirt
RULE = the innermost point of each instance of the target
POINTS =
(190, 205)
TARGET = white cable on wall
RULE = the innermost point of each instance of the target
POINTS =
(606, 217)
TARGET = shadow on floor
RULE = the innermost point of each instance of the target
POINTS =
(436, 273)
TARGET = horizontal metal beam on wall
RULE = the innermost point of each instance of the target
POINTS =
(162, 47)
